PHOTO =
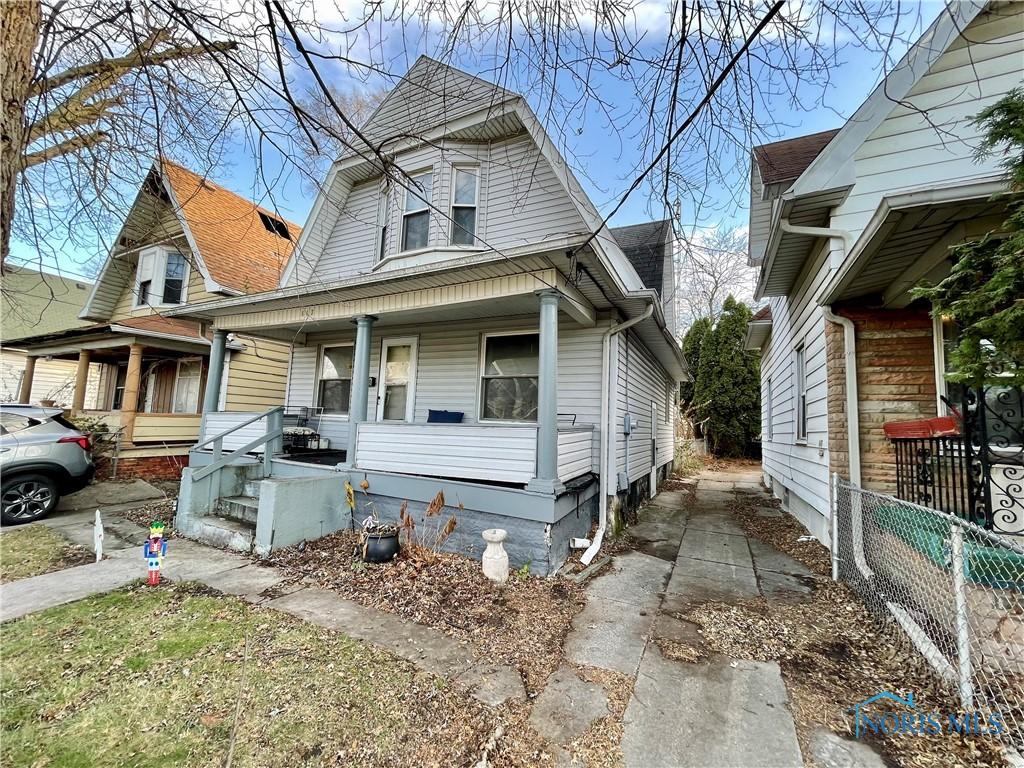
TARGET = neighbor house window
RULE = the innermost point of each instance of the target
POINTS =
(335, 384)
(464, 191)
(187, 385)
(509, 374)
(801, 393)
(160, 278)
(416, 213)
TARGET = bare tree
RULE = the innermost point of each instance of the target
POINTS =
(709, 268)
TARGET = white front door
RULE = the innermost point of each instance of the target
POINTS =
(654, 448)
(396, 386)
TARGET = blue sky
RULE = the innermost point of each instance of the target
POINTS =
(603, 164)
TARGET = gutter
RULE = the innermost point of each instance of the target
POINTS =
(841, 234)
(605, 442)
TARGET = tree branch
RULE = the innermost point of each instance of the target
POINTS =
(73, 144)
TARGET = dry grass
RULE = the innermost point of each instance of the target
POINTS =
(522, 624)
(152, 677)
(33, 550)
(599, 745)
(833, 654)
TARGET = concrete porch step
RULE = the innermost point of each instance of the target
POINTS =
(226, 532)
(252, 488)
(241, 508)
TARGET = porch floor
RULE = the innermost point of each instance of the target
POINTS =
(320, 458)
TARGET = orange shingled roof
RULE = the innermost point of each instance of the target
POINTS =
(787, 159)
(237, 248)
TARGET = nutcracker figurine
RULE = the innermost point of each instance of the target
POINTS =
(154, 551)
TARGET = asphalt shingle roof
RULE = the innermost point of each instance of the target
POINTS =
(786, 160)
(37, 302)
(644, 246)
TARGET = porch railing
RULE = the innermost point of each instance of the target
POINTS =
(271, 438)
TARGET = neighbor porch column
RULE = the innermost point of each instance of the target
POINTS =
(215, 372)
(25, 393)
(81, 380)
(546, 479)
(130, 401)
(360, 382)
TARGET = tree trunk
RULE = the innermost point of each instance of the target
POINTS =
(19, 33)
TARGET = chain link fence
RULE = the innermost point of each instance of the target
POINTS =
(955, 590)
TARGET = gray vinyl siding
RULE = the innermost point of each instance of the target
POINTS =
(520, 201)
(448, 370)
(641, 381)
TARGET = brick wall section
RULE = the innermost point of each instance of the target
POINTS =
(895, 382)
(146, 468)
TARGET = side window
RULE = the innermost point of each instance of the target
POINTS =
(15, 422)
(800, 388)
(509, 377)
(334, 387)
(416, 212)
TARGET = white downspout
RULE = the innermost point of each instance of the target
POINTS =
(606, 430)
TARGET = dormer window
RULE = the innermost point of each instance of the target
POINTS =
(464, 192)
(275, 226)
(160, 278)
(416, 212)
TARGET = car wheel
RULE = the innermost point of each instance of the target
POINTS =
(26, 498)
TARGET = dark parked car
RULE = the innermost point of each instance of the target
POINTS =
(42, 457)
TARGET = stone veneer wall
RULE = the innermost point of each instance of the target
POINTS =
(895, 382)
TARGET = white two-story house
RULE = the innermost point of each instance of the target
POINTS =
(460, 323)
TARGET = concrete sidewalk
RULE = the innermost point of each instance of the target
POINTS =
(717, 711)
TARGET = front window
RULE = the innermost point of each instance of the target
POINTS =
(335, 383)
(464, 189)
(510, 377)
(187, 385)
(174, 278)
(416, 214)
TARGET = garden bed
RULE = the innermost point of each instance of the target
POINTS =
(522, 623)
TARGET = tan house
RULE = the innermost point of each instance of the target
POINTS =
(185, 240)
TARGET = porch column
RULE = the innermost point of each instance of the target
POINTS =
(215, 372)
(130, 401)
(360, 382)
(81, 380)
(546, 479)
(25, 392)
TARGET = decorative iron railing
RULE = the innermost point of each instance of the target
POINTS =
(978, 474)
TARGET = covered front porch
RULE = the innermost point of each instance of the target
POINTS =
(148, 376)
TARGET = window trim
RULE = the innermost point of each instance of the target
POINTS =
(456, 167)
(319, 377)
(383, 216)
(425, 209)
(769, 415)
(800, 394)
(482, 366)
(158, 276)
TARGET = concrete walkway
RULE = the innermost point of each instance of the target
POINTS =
(233, 574)
(718, 711)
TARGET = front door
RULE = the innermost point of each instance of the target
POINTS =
(396, 387)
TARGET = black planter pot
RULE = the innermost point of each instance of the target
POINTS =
(380, 546)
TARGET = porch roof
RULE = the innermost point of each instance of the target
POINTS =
(908, 238)
(443, 288)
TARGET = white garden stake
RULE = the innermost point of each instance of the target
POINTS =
(97, 536)
(495, 559)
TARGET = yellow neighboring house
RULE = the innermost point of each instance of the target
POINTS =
(32, 303)
(185, 240)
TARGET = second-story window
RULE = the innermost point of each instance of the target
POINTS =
(160, 278)
(385, 214)
(464, 192)
(174, 278)
(416, 213)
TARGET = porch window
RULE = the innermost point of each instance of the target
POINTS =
(187, 385)
(509, 374)
(800, 373)
(416, 213)
(464, 192)
(335, 384)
